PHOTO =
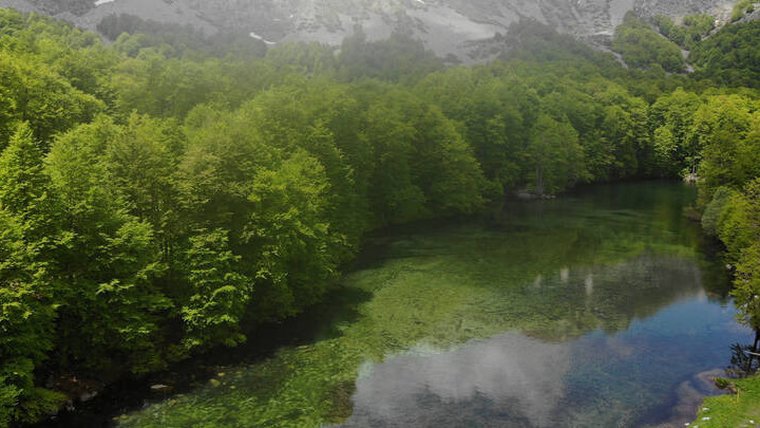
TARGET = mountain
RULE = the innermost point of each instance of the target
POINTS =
(448, 27)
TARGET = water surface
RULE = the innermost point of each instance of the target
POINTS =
(596, 309)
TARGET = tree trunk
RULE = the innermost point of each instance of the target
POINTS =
(754, 351)
(539, 180)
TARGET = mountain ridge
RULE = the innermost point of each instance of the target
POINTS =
(447, 27)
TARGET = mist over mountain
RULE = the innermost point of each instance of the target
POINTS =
(448, 27)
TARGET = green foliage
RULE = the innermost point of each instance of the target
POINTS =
(555, 155)
(496, 115)
(735, 215)
(533, 41)
(741, 8)
(123, 293)
(732, 225)
(111, 307)
(727, 132)
(23, 186)
(724, 135)
(212, 314)
(26, 326)
(698, 25)
(748, 284)
(306, 59)
(672, 118)
(290, 234)
(747, 247)
(499, 116)
(670, 29)
(27, 311)
(39, 96)
(140, 161)
(20, 400)
(730, 57)
(688, 35)
(178, 40)
(8, 401)
(713, 211)
(642, 47)
(396, 197)
(399, 58)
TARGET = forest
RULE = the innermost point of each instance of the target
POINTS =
(159, 200)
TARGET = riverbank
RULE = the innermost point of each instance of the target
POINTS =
(736, 410)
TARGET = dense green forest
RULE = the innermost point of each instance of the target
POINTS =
(158, 200)
(643, 47)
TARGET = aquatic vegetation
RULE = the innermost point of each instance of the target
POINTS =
(553, 271)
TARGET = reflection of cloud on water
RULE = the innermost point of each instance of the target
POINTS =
(514, 373)
(610, 351)
(619, 348)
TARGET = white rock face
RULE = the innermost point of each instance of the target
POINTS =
(21, 5)
(445, 26)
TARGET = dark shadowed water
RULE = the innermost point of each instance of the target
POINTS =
(600, 308)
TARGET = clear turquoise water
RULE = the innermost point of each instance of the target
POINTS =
(596, 309)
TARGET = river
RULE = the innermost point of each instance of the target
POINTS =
(599, 308)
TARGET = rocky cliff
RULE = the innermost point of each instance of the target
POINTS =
(445, 26)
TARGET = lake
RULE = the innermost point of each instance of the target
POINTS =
(603, 307)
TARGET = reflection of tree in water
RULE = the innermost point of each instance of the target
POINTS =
(610, 297)
(745, 359)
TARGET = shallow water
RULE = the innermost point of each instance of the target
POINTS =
(596, 309)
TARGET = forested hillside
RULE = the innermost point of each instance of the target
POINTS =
(158, 201)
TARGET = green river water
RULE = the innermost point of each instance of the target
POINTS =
(599, 308)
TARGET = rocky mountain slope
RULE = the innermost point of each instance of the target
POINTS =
(448, 27)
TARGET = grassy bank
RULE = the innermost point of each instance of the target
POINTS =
(737, 410)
